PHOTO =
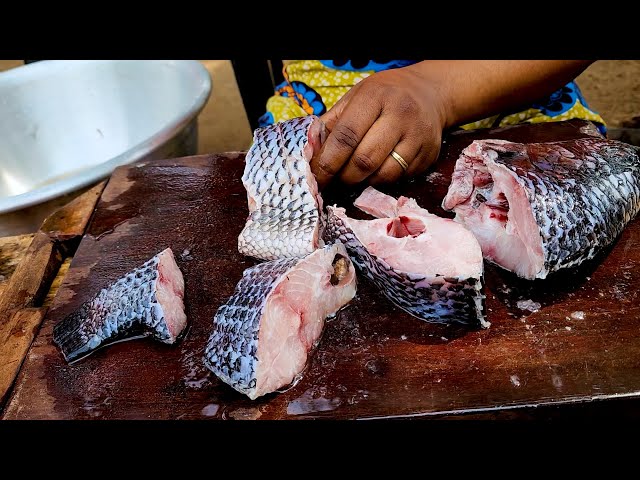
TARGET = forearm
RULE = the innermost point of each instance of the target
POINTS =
(475, 89)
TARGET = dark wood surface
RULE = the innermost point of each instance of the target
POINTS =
(12, 250)
(373, 360)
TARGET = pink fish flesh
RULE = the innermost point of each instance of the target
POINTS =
(429, 266)
(147, 301)
(540, 207)
(263, 336)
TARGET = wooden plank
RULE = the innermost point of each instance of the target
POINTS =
(30, 280)
(28, 284)
(43, 257)
(15, 256)
(12, 250)
(373, 360)
(14, 348)
(71, 220)
(57, 281)
(29, 219)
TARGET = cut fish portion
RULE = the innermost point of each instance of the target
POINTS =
(429, 266)
(263, 336)
(148, 301)
(540, 207)
(285, 207)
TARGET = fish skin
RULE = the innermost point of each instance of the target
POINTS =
(582, 192)
(435, 299)
(231, 352)
(126, 309)
(233, 343)
(286, 217)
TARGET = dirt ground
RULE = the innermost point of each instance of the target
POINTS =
(612, 88)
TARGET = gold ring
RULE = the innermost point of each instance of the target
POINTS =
(400, 160)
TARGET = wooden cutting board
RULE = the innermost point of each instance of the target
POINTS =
(373, 360)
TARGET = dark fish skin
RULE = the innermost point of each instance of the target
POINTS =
(231, 352)
(582, 192)
(285, 216)
(233, 343)
(435, 299)
(124, 310)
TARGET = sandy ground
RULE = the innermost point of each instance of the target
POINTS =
(612, 88)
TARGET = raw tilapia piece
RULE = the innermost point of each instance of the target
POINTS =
(148, 301)
(285, 208)
(263, 336)
(429, 266)
(536, 208)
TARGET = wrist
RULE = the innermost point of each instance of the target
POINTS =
(438, 89)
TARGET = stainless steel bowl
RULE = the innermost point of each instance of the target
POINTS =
(65, 124)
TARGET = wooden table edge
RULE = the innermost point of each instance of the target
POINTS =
(21, 301)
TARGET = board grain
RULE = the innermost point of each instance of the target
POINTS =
(373, 361)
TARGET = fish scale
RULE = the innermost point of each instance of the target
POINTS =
(237, 324)
(127, 309)
(436, 298)
(286, 217)
(582, 193)
(232, 351)
(438, 290)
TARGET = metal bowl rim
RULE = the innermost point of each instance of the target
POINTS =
(94, 173)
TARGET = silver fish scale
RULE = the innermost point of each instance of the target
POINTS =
(286, 216)
(438, 300)
(582, 193)
(231, 350)
(126, 308)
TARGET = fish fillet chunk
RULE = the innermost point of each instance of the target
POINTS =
(148, 301)
(263, 336)
(285, 207)
(429, 266)
(540, 207)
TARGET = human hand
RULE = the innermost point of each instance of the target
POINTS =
(394, 110)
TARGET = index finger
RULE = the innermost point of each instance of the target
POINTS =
(348, 130)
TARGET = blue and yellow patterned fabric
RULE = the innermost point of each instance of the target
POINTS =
(314, 86)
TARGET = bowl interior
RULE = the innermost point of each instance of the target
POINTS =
(59, 118)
